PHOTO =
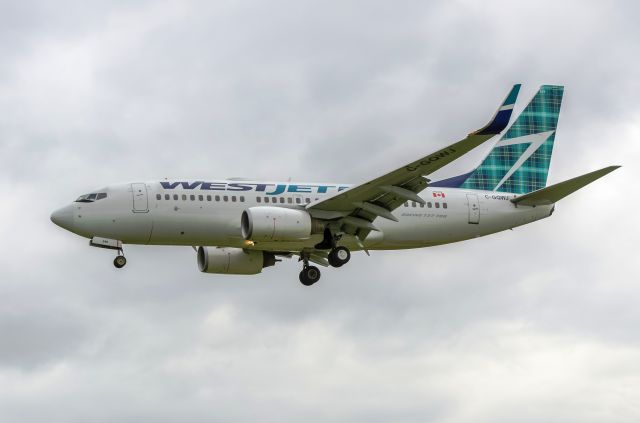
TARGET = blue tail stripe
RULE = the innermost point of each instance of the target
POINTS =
(454, 182)
(497, 125)
(503, 115)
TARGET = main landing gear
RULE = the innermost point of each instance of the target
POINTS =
(339, 256)
(309, 275)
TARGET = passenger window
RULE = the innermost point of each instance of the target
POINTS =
(158, 197)
(406, 204)
(184, 197)
(200, 198)
(429, 204)
(217, 198)
(290, 200)
(193, 197)
(274, 200)
(444, 205)
(167, 197)
(242, 199)
(259, 199)
(225, 198)
(298, 201)
(281, 200)
(437, 205)
(233, 198)
(422, 205)
(101, 196)
(413, 204)
(175, 197)
(307, 200)
(208, 198)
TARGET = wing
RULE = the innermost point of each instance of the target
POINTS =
(360, 205)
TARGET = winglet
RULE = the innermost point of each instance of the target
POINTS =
(554, 193)
(501, 118)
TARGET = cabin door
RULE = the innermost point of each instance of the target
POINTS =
(140, 198)
(474, 208)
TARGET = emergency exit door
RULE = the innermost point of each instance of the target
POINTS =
(140, 199)
(474, 208)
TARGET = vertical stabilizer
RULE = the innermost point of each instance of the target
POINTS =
(519, 161)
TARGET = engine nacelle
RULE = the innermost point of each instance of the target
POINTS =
(233, 261)
(278, 224)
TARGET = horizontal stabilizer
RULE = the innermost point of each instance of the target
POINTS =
(554, 193)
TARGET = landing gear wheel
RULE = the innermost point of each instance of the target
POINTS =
(309, 275)
(119, 261)
(339, 256)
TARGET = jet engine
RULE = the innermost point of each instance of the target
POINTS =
(278, 224)
(233, 261)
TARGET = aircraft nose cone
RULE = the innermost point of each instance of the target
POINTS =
(63, 217)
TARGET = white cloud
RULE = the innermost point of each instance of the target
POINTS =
(539, 323)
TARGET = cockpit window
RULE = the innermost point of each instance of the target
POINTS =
(90, 198)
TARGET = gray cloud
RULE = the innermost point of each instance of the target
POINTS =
(539, 323)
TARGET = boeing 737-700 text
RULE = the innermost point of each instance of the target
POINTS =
(241, 226)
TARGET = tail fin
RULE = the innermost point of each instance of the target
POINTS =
(519, 161)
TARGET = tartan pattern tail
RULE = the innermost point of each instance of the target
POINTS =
(519, 162)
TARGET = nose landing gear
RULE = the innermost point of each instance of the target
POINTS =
(110, 244)
(119, 261)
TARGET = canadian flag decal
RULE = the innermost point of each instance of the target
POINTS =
(438, 194)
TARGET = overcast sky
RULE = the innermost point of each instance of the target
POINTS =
(536, 324)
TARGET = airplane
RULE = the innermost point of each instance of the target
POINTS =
(240, 227)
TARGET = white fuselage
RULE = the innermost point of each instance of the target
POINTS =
(209, 214)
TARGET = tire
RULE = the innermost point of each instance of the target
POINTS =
(339, 256)
(309, 275)
(119, 262)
